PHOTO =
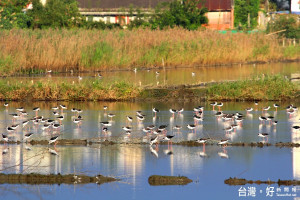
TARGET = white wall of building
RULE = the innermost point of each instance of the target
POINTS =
(295, 6)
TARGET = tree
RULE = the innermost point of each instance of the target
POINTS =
(12, 14)
(287, 23)
(55, 14)
(183, 13)
(243, 8)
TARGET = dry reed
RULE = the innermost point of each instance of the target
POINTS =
(87, 50)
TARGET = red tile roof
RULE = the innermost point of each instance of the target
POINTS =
(115, 4)
(214, 5)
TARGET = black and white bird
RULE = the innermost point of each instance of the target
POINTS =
(169, 139)
(249, 109)
(162, 128)
(56, 126)
(220, 105)
(155, 110)
(177, 127)
(275, 106)
(223, 142)
(262, 119)
(55, 108)
(296, 128)
(36, 109)
(263, 135)
(111, 115)
(213, 104)
(153, 140)
(10, 129)
(77, 121)
(60, 118)
(63, 107)
(266, 108)
(53, 139)
(127, 128)
(27, 136)
(129, 119)
(5, 138)
(46, 126)
(24, 123)
(20, 109)
(172, 111)
(106, 124)
(191, 126)
(140, 117)
(202, 140)
(105, 108)
(180, 110)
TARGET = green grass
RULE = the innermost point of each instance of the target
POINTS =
(292, 50)
(98, 54)
(270, 87)
(83, 91)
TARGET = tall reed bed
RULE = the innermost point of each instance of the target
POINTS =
(270, 87)
(87, 50)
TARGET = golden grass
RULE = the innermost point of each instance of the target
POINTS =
(87, 50)
(86, 91)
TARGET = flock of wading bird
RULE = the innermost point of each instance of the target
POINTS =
(155, 134)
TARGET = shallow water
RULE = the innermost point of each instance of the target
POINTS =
(135, 163)
(172, 76)
(211, 126)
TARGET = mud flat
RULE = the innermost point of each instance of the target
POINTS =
(156, 180)
(137, 141)
(241, 144)
(53, 179)
(241, 181)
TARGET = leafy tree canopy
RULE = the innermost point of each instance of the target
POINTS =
(241, 10)
(55, 14)
(183, 13)
(287, 23)
(12, 14)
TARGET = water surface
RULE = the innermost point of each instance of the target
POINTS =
(170, 76)
(133, 163)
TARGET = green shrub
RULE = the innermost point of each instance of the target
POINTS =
(285, 22)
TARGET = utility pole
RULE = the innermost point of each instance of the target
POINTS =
(249, 24)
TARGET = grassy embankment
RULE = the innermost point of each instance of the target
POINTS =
(274, 87)
(262, 88)
(85, 91)
(28, 51)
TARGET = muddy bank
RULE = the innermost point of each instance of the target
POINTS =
(174, 93)
(85, 142)
(241, 144)
(53, 179)
(156, 180)
(240, 181)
